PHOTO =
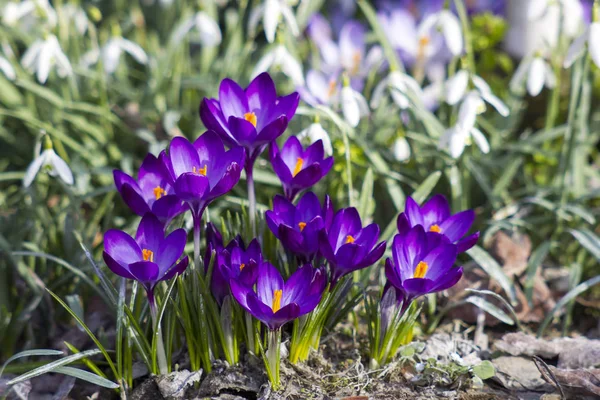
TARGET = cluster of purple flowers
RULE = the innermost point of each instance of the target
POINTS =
(327, 245)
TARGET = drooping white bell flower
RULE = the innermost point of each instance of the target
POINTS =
(270, 11)
(280, 58)
(77, 15)
(401, 149)
(401, 88)
(464, 132)
(591, 37)
(533, 73)
(209, 33)
(28, 14)
(45, 54)
(7, 69)
(111, 52)
(314, 133)
(457, 91)
(49, 162)
(354, 105)
(448, 24)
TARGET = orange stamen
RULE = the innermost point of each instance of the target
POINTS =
(301, 225)
(421, 270)
(242, 265)
(276, 306)
(435, 228)
(200, 171)
(349, 239)
(148, 255)
(298, 168)
(159, 192)
(251, 117)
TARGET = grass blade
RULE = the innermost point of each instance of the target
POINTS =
(86, 376)
(494, 270)
(29, 353)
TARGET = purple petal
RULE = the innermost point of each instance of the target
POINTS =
(457, 225)
(418, 286)
(213, 119)
(132, 196)
(269, 280)
(402, 223)
(440, 260)
(314, 153)
(435, 211)
(171, 249)
(191, 187)
(177, 269)
(413, 212)
(243, 131)
(468, 242)
(286, 105)
(144, 271)
(374, 255)
(150, 233)
(167, 208)
(152, 174)
(183, 156)
(295, 287)
(115, 267)
(227, 182)
(291, 239)
(121, 178)
(286, 314)
(273, 130)
(448, 280)
(261, 92)
(209, 147)
(240, 293)
(291, 151)
(307, 177)
(414, 248)
(345, 223)
(281, 170)
(232, 99)
(391, 274)
(121, 247)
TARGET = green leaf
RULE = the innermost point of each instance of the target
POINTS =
(51, 367)
(484, 370)
(494, 270)
(534, 262)
(587, 239)
(42, 92)
(425, 188)
(490, 309)
(86, 376)
(365, 204)
(29, 353)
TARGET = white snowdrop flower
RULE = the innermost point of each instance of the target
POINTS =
(448, 24)
(401, 149)
(401, 88)
(27, 13)
(457, 90)
(270, 11)
(354, 105)
(111, 52)
(420, 367)
(7, 69)
(42, 55)
(591, 37)
(280, 58)
(533, 73)
(209, 33)
(51, 163)
(77, 15)
(314, 133)
(464, 132)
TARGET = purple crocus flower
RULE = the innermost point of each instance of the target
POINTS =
(298, 227)
(150, 257)
(235, 261)
(276, 302)
(151, 193)
(202, 171)
(252, 117)
(435, 216)
(422, 262)
(348, 246)
(299, 169)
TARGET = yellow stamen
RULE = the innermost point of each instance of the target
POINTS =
(349, 239)
(159, 192)
(298, 168)
(277, 300)
(421, 270)
(242, 265)
(148, 255)
(332, 88)
(435, 228)
(356, 57)
(200, 171)
(251, 117)
(301, 225)
(423, 43)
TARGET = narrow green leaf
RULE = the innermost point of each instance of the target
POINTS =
(366, 197)
(425, 188)
(29, 353)
(86, 376)
(535, 260)
(587, 239)
(50, 367)
(494, 270)
(490, 309)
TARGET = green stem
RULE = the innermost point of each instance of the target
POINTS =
(160, 347)
(273, 357)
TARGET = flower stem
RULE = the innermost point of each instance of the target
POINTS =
(273, 357)
(251, 196)
(250, 333)
(197, 224)
(160, 347)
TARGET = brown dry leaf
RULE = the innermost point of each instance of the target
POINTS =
(578, 382)
(512, 252)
